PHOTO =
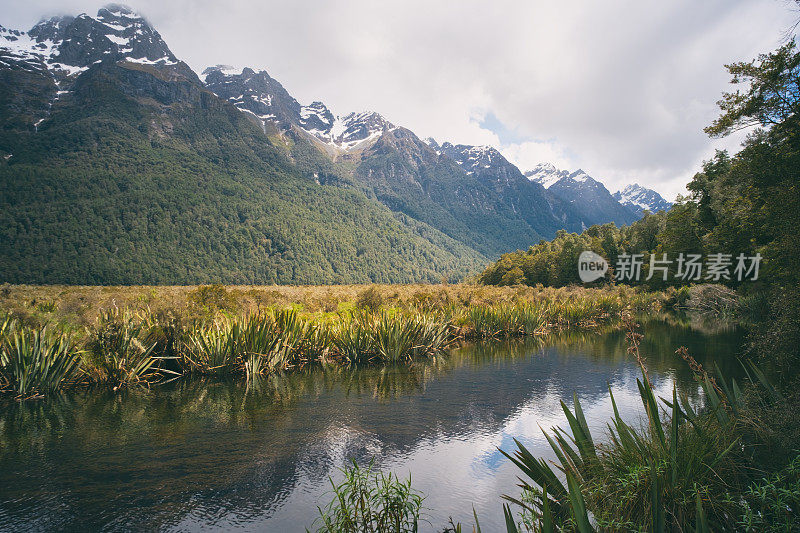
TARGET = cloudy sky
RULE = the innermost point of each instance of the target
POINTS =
(619, 88)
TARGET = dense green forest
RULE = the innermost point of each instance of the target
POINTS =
(118, 187)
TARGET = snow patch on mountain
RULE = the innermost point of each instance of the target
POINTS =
(225, 70)
(348, 132)
(639, 199)
(260, 95)
(19, 47)
(472, 158)
(546, 174)
(580, 176)
(67, 46)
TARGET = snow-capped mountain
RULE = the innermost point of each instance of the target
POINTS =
(107, 65)
(254, 93)
(45, 62)
(472, 158)
(259, 94)
(586, 194)
(267, 101)
(542, 210)
(546, 174)
(640, 199)
(66, 46)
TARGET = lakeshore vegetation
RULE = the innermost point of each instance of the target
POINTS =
(47, 344)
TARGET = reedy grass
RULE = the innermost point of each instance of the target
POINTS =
(78, 307)
(116, 355)
(127, 347)
(371, 502)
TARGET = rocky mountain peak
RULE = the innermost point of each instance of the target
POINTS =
(316, 119)
(473, 158)
(356, 128)
(67, 46)
(580, 176)
(639, 199)
(253, 92)
(546, 174)
(430, 141)
(258, 94)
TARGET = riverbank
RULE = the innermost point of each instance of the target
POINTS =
(58, 337)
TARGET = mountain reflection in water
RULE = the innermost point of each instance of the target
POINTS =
(196, 454)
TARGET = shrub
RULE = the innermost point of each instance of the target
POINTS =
(713, 300)
(207, 300)
(370, 298)
(772, 503)
(46, 306)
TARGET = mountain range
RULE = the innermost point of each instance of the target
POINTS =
(590, 197)
(119, 164)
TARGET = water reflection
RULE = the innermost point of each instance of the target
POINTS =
(201, 454)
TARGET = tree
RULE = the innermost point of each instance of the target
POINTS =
(772, 97)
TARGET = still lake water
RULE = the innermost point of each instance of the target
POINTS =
(195, 455)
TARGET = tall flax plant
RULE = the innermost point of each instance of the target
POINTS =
(647, 478)
(506, 320)
(488, 321)
(352, 337)
(670, 475)
(394, 337)
(212, 350)
(256, 344)
(168, 331)
(265, 344)
(433, 333)
(116, 354)
(532, 318)
(306, 340)
(36, 361)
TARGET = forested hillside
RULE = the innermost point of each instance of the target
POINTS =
(120, 165)
(118, 187)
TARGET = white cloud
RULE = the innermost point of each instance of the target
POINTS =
(620, 88)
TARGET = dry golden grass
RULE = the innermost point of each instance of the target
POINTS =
(80, 305)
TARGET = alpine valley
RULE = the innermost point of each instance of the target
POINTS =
(120, 165)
